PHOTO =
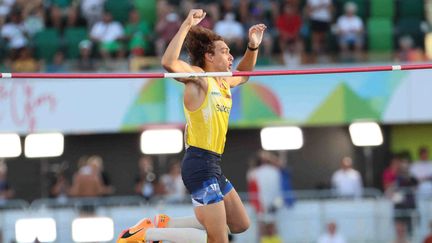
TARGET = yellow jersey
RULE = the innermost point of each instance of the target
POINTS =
(207, 126)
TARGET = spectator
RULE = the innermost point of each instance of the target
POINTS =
(428, 238)
(228, 6)
(403, 196)
(320, 16)
(137, 34)
(421, 170)
(347, 181)
(14, 33)
(6, 191)
(60, 187)
(264, 184)
(92, 10)
(97, 163)
(146, 183)
(63, 14)
(108, 34)
(288, 25)
(331, 235)
(166, 28)
(232, 31)
(25, 62)
(87, 182)
(164, 8)
(35, 21)
(401, 233)
(82, 161)
(408, 52)
(350, 31)
(267, 185)
(58, 65)
(258, 13)
(5, 9)
(86, 62)
(174, 189)
(390, 174)
(28, 5)
(270, 234)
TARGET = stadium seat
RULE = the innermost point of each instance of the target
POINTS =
(147, 10)
(411, 8)
(3, 48)
(46, 43)
(62, 3)
(73, 36)
(119, 9)
(382, 8)
(380, 35)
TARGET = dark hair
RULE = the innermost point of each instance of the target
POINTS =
(423, 149)
(200, 41)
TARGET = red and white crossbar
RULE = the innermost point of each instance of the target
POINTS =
(214, 74)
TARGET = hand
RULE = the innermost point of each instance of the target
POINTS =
(194, 17)
(256, 33)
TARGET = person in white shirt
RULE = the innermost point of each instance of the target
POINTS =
(5, 8)
(350, 31)
(92, 10)
(267, 178)
(320, 16)
(421, 170)
(14, 32)
(174, 189)
(331, 236)
(265, 192)
(347, 181)
(108, 34)
(232, 31)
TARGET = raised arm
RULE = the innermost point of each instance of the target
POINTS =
(170, 59)
(247, 63)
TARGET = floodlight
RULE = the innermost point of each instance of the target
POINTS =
(162, 141)
(10, 145)
(44, 145)
(92, 229)
(43, 229)
(281, 138)
(366, 134)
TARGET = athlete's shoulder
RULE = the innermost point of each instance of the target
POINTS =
(197, 69)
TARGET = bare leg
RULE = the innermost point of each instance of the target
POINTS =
(237, 218)
(213, 217)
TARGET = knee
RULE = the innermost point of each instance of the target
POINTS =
(240, 226)
(218, 238)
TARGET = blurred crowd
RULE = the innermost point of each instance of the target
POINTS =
(404, 182)
(269, 186)
(86, 35)
(91, 180)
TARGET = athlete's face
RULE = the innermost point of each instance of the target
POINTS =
(221, 60)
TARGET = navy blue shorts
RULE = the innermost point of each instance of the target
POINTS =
(202, 176)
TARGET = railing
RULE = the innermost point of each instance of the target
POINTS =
(158, 200)
(13, 204)
(88, 201)
(367, 219)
